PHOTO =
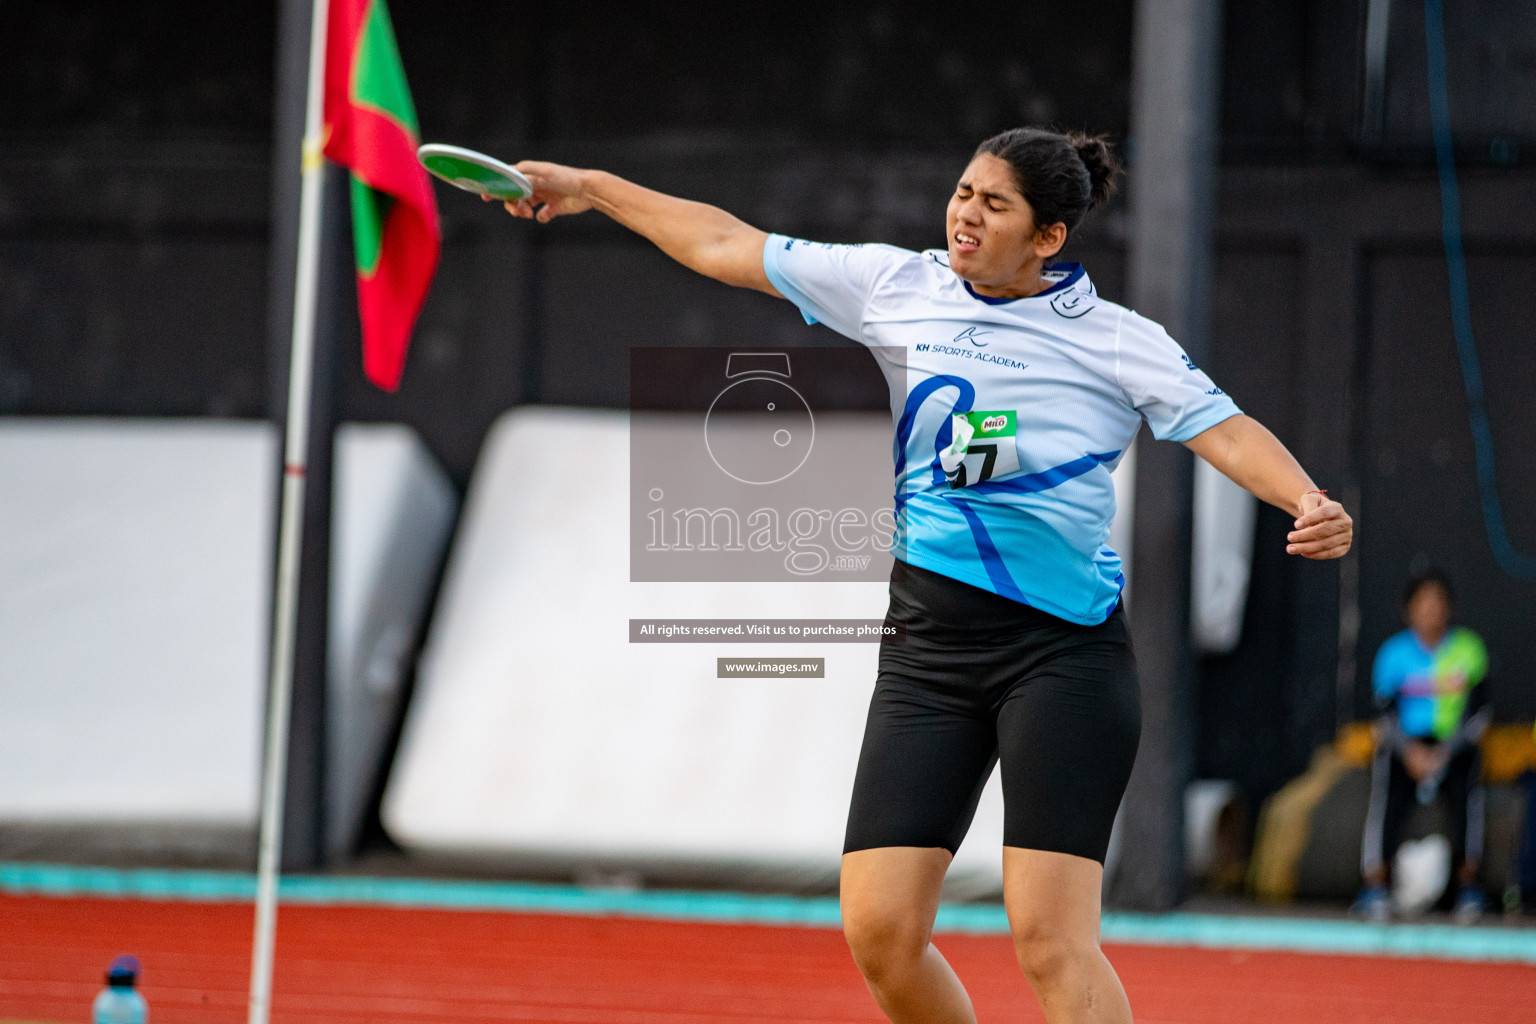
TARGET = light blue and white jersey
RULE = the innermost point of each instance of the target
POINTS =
(1009, 413)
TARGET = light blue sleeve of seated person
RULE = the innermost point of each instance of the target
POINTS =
(831, 284)
(1390, 669)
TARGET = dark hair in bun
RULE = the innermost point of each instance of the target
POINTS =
(1061, 176)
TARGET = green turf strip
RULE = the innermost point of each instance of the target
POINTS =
(1206, 930)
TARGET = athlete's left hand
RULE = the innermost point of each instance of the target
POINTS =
(1323, 531)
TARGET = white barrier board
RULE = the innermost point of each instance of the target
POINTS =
(136, 557)
(391, 516)
(136, 560)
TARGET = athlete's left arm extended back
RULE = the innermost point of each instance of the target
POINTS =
(1246, 452)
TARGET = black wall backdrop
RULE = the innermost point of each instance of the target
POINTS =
(135, 152)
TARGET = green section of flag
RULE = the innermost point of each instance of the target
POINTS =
(369, 208)
(378, 77)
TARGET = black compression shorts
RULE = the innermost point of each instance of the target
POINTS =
(977, 676)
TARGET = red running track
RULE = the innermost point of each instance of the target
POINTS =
(370, 964)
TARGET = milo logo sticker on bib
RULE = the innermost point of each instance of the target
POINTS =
(983, 446)
(991, 424)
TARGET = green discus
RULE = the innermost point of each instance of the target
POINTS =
(474, 172)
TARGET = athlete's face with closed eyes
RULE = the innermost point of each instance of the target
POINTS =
(994, 242)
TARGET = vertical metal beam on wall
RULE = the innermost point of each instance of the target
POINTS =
(1373, 100)
(1174, 114)
(1325, 607)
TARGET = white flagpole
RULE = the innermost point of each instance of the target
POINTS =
(290, 527)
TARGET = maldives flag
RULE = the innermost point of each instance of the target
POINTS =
(370, 128)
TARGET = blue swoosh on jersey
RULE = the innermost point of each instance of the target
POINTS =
(991, 558)
(915, 400)
(1044, 480)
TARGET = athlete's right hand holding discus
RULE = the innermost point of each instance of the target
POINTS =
(1018, 376)
(557, 190)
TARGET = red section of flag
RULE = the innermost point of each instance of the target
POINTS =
(380, 150)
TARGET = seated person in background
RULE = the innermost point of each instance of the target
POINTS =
(1433, 712)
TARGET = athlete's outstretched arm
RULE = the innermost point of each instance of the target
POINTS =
(699, 236)
(1245, 451)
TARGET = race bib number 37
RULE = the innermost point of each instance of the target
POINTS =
(984, 446)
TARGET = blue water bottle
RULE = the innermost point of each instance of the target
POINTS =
(119, 1002)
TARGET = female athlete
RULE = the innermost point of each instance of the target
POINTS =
(1016, 389)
